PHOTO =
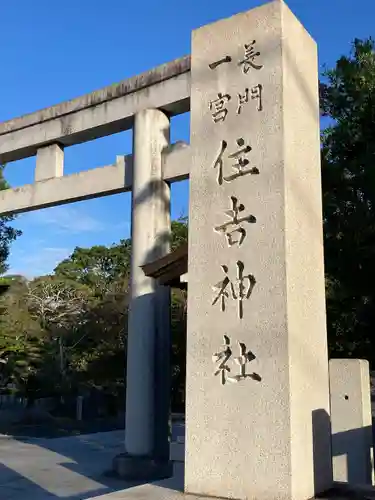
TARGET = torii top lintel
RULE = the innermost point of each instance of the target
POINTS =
(100, 113)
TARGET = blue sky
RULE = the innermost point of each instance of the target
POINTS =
(51, 51)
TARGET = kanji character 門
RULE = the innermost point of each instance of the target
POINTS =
(256, 93)
(242, 99)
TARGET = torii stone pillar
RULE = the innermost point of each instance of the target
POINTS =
(146, 430)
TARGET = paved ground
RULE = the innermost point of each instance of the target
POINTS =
(69, 468)
(74, 468)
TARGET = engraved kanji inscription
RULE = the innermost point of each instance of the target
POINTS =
(219, 162)
(242, 360)
(244, 97)
(239, 290)
(240, 162)
(234, 226)
(217, 107)
(223, 60)
(238, 166)
(256, 93)
(222, 358)
(223, 292)
(250, 58)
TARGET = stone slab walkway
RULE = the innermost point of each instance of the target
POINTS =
(69, 468)
(73, 468)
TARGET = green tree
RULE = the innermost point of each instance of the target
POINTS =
(61, 308)
(8, 233)
(21, 346)
(97, 267)
(99, 358)
(348, 172)
(179, 232)
(178, 354)
(68, 332)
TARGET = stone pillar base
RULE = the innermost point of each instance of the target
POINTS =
(138, 468)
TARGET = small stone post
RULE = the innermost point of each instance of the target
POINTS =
(79, 407)
(49, 162)
(146, 427)
(352, 438)
(257, 402)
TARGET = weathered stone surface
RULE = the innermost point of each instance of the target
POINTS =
(128, 86)
(267, 435)
(147, 395)
(96, 116)
(141, 468)
(49, 162)
(351, 419)
(176, 162)
(93, 183)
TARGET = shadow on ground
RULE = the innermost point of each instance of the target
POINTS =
(70, 468)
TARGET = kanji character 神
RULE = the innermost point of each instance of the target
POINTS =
(239, 290)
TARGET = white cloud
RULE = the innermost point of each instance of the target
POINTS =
(67, 219)
(50, 235)
(40, 261)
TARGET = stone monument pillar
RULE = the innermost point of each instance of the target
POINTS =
(146, 427)
(351, 420)
(257, 415)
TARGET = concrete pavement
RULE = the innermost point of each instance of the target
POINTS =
(72, 468)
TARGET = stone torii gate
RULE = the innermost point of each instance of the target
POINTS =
(257, 415)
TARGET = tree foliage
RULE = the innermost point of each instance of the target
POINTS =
(97, 267)
(76, 322)
(20, 337)
(8, 233)
(348, 171)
